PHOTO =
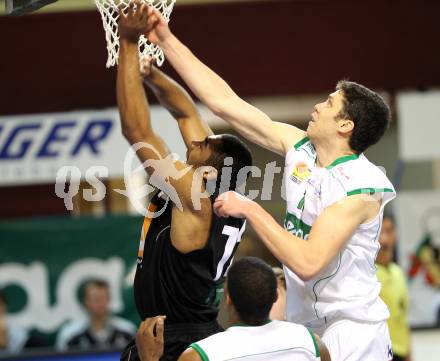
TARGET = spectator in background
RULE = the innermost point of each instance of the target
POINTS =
(12, 336)
(278, 311)
(101, 330)
(394, 291)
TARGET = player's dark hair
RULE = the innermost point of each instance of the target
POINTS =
(252, 287)
(369, 112)
(232, 147)
(92, 283)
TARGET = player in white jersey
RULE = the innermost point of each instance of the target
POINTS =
(334, 216)
(335, 202)
(251, 290)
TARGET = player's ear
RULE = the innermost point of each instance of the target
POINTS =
(228, 300)
(346, 126)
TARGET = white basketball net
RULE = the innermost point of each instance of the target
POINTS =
(110, 14)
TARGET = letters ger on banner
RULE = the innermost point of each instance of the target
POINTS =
(34, 147)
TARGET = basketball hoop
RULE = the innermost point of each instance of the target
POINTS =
(109, 10)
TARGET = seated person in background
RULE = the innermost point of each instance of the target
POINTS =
(101, 330)
(394, 291)
(12, 336)
(251, 290)
(278, 311)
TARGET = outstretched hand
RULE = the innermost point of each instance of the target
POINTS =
(232, 204)
(133, 23)
(147, 64)
(142, 19)
(157, 30)
(149, 338)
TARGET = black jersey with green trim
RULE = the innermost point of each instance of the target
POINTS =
(187, 288)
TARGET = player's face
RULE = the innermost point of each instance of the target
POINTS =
(387, 241)
(200, 151)
(97, 301)
(388, 235)
(2, 308)
(324, 122)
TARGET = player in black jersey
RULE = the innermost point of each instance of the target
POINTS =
(186, 250)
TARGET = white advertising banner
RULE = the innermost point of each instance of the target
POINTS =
(418, 220)
(34, 147)
(419, 125)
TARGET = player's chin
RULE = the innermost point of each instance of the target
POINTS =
(311, 128)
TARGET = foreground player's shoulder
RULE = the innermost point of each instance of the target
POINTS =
(355, 189)
(300, 338)
(191, 354)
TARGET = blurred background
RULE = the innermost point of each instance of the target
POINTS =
(68, 252)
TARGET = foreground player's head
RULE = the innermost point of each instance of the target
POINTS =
(354, 114)
(251, 290)
(221, 152)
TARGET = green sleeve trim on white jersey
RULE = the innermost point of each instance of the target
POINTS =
(343, 159)
(301, 142)
(369, 191)
(200, 351)
(317, 353)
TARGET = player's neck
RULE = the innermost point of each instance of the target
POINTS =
(98, 323)
(326, 155)
(252, 324)
(235, 320)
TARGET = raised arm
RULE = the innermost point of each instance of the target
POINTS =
(213, 91)
(172, 177)
(132, 101)
(178, 102)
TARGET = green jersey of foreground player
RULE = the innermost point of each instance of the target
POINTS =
(335, 202)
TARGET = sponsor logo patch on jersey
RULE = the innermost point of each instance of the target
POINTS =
(300, 172)
(343, 174)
